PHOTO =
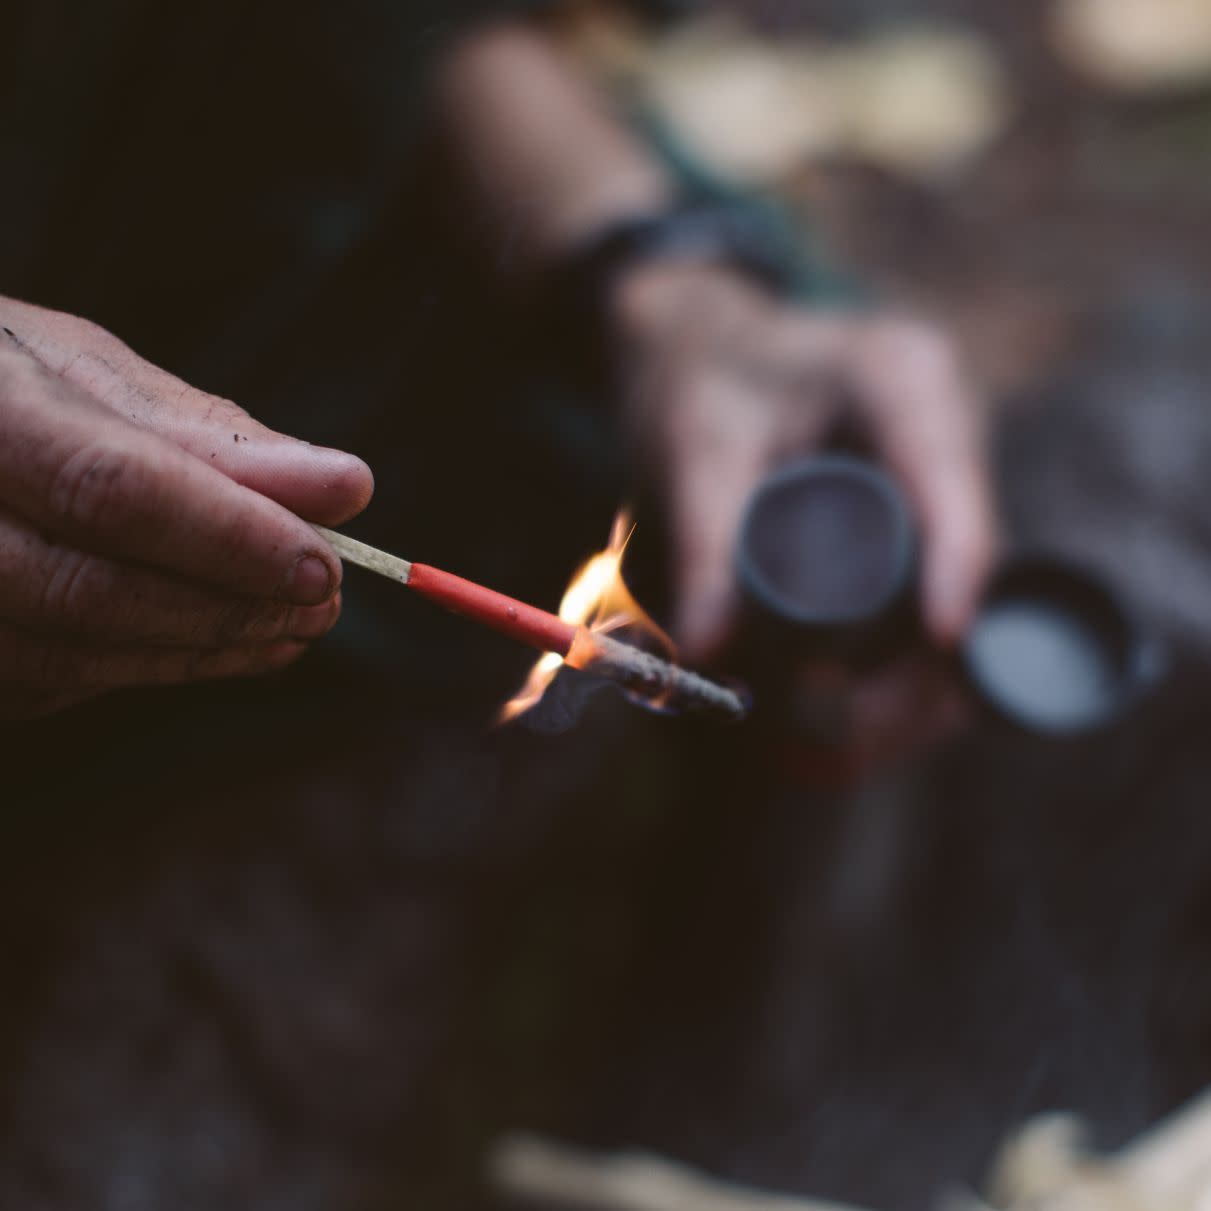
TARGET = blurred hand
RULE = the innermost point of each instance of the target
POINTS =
(149, 533)
(721, 383)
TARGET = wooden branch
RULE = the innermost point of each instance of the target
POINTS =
(1174, 1157)
(541, 1171)
(1047, 1167)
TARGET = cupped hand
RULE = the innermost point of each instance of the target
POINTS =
(721, 383)
(149, 533)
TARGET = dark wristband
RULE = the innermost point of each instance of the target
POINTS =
(709, 231)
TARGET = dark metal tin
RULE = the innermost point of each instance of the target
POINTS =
(826, 558)
(1056, 651)
(827, 561)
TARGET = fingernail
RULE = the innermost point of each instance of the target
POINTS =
(949, 607)
(310, 581)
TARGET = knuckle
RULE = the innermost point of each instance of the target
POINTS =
(90, 371)
(17, 372)
(214, 407)
(96, 487)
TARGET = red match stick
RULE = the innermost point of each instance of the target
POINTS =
(581, 648)
(526, 623)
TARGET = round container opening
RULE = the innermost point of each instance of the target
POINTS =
(1053, 649)
(826, 542)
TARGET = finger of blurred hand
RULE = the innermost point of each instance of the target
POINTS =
(720, 449)
(51, 588)
(42, 674)
(74, 468)
(927, 427)
(320, 484)
(716, 428)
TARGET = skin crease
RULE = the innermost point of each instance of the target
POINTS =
(721, 384)
(149, 533)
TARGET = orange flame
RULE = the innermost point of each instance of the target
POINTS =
(596, 598)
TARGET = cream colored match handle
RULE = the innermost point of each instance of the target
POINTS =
(366, 556)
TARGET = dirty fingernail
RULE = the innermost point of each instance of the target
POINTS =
(310, 581)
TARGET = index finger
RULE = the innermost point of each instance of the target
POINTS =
(322, 485)
(88, 476)
(928, 427)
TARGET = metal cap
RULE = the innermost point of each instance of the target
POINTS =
(1054, 650)
(827, 555)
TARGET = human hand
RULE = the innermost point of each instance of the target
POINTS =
(721, 383)
(149, 533)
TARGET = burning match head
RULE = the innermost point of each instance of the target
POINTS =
(595, 609)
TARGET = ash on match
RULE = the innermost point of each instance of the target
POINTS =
(596, 602)
(653, 679)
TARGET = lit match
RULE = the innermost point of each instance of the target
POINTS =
(596, 602)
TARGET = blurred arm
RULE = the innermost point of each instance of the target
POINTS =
(720, 380)
(545, 160)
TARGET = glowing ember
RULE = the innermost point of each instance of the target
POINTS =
(599, 600)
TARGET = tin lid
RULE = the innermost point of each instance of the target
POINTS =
(827, 560)
(1054, 650)
(827, 552)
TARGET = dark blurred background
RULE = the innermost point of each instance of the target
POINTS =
(325, 965)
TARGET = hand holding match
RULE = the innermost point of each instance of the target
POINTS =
(575, 644)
